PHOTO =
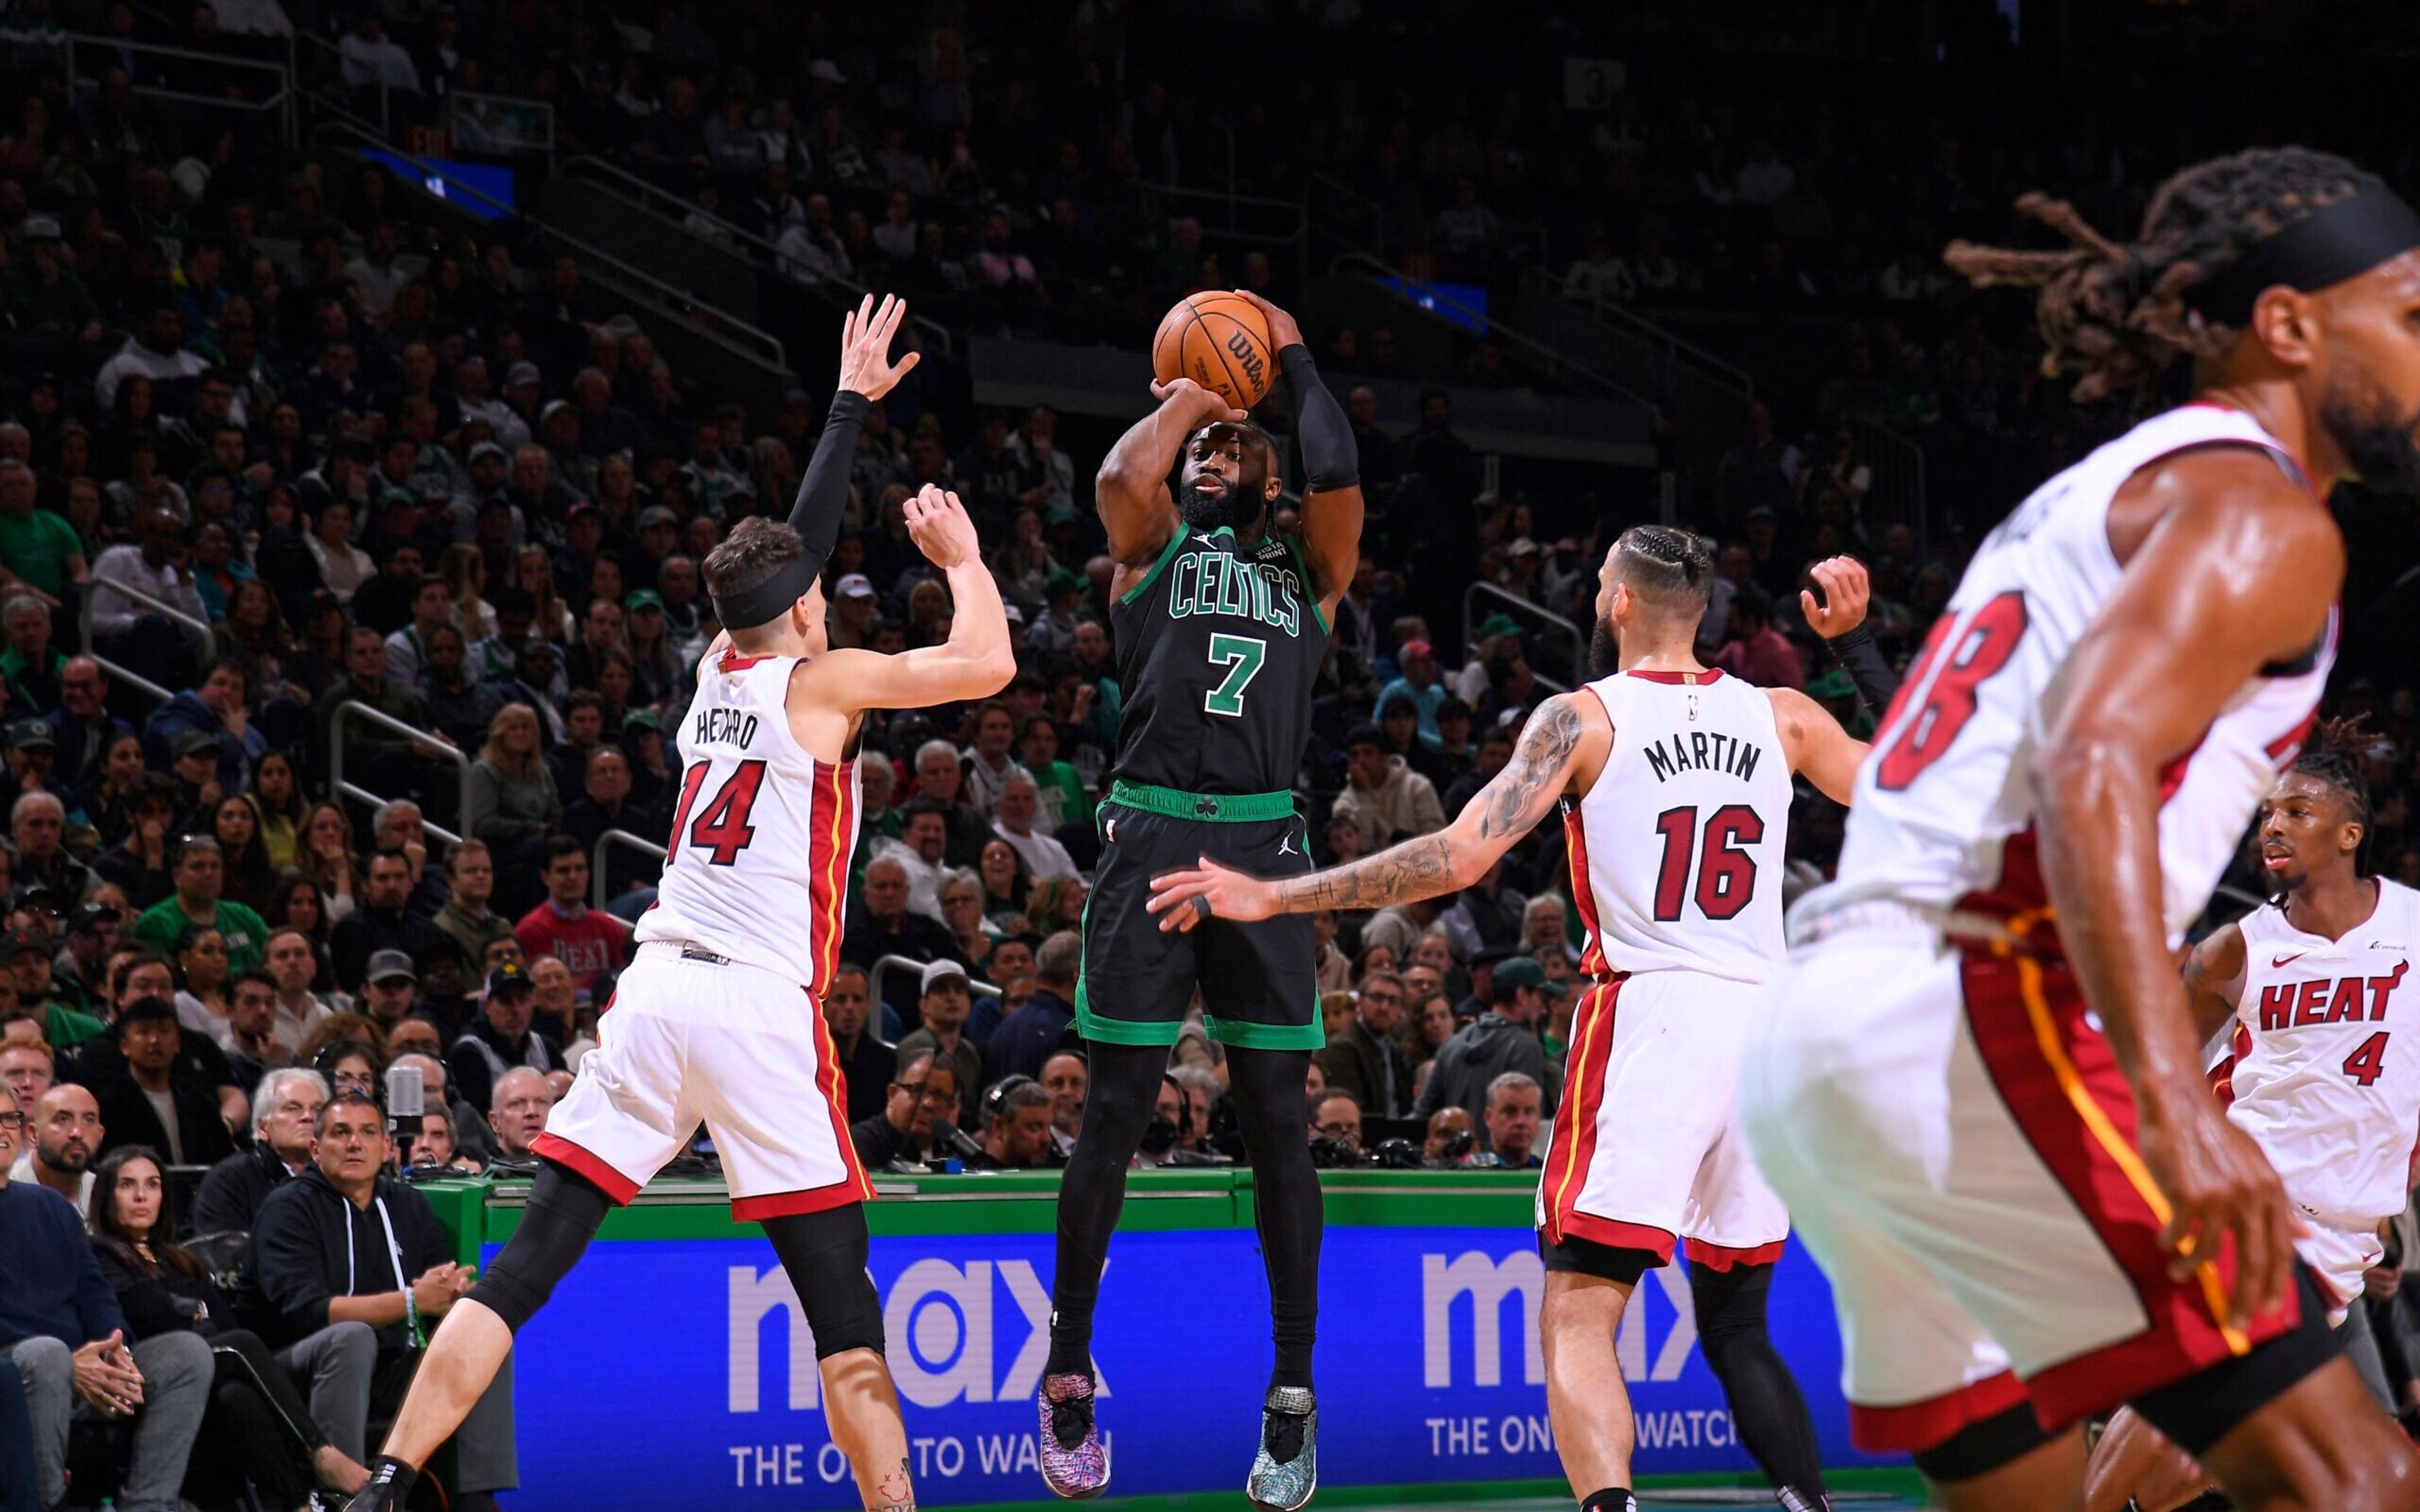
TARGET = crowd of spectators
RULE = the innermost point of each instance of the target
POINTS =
(372, 463)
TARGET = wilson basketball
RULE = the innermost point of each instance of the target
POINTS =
(1220, 342)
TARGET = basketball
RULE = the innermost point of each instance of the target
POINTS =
(1220, 342)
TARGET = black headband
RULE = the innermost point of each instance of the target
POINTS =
(770, 599)
(2337, 242)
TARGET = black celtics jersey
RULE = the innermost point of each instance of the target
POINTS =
(1217, 650)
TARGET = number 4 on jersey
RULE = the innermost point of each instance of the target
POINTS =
(722, 831)
(2367, 1062)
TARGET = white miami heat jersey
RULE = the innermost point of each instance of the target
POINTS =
(1944, 812)
(2327, 1059)
(757, 865)
(1676, 851)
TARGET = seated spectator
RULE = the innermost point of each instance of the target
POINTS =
(435, 1146)
(919, 1104)
(28, 958)
(1513, 1112)
(470, 881)
(29, 1067)
(1503, 1039)
(63, 1137)
(256, 1422)
(416, 1044)
(1362, 1059)
(60, 1325)
(1383, 795)
(921, 852)
(1066, 1078)
(249, 1037)
(344, 1265)
(885, 926)
(152, 1103)
(385, 922)
(81, 721)
(1452, 1135)
(37, 825)
(1030, 1037)
(942, 1007)
(939, 782)
(389, 990)
(988, 763)
(1755, 649)
(1337, 1115)
(1019, 801)
(130, 632)
(1017, 1125)
(513, 801)
(499, 1039)
(293, 965)
(139, 863)
(522, 1100)
(216, 709)
(200, 874)
(605, 803)
(590, 941)
(867, 1063)
(1486, 916)
(1201, 1089)
(286, 1106)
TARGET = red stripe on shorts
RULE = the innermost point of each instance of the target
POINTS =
(1574, 1139)
(833, 1085)
(563, 1152)
(2061, 1082)
(1914, 1426)
(1716, 1257)
(839, 1194)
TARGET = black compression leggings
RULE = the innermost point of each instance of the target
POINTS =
(1767, 1411)
(1266, 1086)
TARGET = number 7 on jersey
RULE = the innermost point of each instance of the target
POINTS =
(1242, 656)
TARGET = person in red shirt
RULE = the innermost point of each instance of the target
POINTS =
(1756, 651)
(591, 943)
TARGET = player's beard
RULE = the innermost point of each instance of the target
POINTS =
(2359, 416)
(1236, 509)
(1605, 651)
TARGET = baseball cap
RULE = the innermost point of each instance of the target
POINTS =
(941, 971)
(193, 740)
(386, 966)
(553, 408)
(1015, 615)
(824, 71)
(1522, 547)
(1520, 971)
(797, 398)
(854, 585)
(30, 735)
(1415, 647)
(639, 599)
(521, 373)
(658, 514)
(42, 228)
(1063, 582)
(1495, 624)
(488, 449)
(91, 914)
(643, 719)
(510, 977)
(24, 940)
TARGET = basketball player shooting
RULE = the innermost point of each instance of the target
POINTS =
(1984, 1100)
(1221, 626)
(717, 1020)
(2321, 1069)
(1675, 783)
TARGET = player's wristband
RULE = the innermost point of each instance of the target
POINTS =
(1331, 458)
(1861, 658)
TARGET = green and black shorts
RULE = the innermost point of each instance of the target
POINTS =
(1258, 981)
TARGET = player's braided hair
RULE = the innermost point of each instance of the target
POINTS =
(2119, 313)
(2334, 755)
(1666, 564)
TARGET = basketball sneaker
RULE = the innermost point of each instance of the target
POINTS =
(1286, 1471)
(386, 1491)
(1073, 1464)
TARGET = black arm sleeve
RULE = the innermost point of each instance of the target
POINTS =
(1862, 660)
(1331, 458)
(823, 493)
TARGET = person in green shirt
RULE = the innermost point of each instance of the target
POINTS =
(201, 870)
(1059, 786)
(36, 547)
(31, 667)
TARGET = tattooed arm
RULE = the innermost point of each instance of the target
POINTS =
(1563, 746)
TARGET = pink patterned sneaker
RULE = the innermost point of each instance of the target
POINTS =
(1073, 1464)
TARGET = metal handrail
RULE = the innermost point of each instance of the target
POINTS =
(419, 737)
(1336, 185)
(1902, 465)
(909, 963)
(1514, 602)
(774, 261)
(281, 100)
(95, 585)
(1556, 364)
(1607, 312)
(597, 861)
(729, 332)
(457, 99)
